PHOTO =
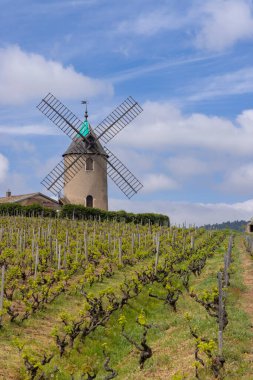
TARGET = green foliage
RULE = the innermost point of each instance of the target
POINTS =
(81, 212)
(12, 209)
(122, 320)
(236, 225)
(179, 376)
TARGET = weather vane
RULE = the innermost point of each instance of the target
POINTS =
(86, 111)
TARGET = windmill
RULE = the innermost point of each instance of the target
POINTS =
(82, 173)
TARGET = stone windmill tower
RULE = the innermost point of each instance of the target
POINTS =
(89, 186)
(82, 173)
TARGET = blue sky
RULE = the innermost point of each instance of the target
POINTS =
(188, 63)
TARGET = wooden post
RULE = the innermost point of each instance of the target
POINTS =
(114, 245)
(132, 243)
(65, 256)
(226, 260)
(56, 249)
(36, 261)
(109, 241)
(94, 233)
(59, 257)
(157, 252)
(77, 249)
(2, 289)
(120, 251)
(67, 238)
(230, 244)
(192, 242)
(33, 245)
(220, 332)
(173, 239)
(86, 246)
(24, 241)
(51, 248)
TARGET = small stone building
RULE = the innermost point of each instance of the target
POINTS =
(249, 227)
(30, 199)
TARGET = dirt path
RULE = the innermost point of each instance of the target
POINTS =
(247, 266)
(247, 295)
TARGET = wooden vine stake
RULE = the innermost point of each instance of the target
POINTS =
(157, 252)
(2, 293)
(226, 265)
(56, 249)
(59, 257)
(192, 242)
(36, 261)
(132, 244)
(120, 251)
(85, 239)
(230, 248)
(220, 332)
(227, 261)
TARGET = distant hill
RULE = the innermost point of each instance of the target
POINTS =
(238, 225)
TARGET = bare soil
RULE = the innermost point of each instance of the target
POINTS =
(247, 295)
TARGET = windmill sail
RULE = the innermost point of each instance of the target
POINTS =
(61, 116)
(69, 123)
(65, 170)
(117, 120)
(121, 176)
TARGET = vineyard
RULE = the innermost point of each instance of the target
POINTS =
(84, 299)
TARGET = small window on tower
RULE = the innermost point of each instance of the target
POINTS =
(89, 164)
(89, 201)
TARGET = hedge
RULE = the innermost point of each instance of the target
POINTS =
(81, 212)
(13, 209)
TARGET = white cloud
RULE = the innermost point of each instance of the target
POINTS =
(137, 161)
(233, 83)
(186, 166)
(17, 183)
(35, 129)
(17, 145)
(189, 213)
(223, 23)
(239, 180)
(162, 127)
(150, 23)
(213, 25)
(158, 182)
(43, 168)
(26, 76)
(4, 166)
(162, 64)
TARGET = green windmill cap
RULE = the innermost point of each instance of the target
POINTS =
(85, 128)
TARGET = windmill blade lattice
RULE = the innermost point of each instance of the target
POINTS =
(69, 123)
(61, 116)
(64, 171)
(121, 176)
(117, 120)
